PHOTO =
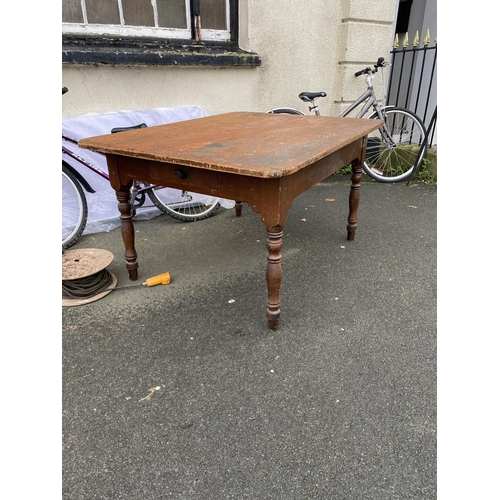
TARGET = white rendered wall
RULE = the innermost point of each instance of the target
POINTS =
(313, 46)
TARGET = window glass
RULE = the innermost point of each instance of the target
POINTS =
(72, 11)
(172, 14)
(213, 14)
(102, 12)
(138, 13)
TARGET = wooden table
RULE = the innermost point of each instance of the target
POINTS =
(262, 159)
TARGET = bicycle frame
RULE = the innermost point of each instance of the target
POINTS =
(371, 100)
(95, 169)
(368, 96)
(86, 163)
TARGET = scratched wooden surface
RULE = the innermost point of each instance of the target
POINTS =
(247, 143)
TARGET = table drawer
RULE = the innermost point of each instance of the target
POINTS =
(167, 173)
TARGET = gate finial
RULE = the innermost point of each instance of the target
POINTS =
(416, 40)
(427, 38)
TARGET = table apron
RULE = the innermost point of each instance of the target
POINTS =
(271, 197)
(308, 176)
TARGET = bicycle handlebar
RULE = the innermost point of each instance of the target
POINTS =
(363, 72)
(379, 64)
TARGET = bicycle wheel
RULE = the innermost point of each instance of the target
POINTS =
(74, 208)
(183, 205)
(394, 150)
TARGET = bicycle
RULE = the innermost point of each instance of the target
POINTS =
(397, 148)
(181, 205)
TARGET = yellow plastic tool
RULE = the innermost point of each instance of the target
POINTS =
(161, 279)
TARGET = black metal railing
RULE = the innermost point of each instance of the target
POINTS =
(412, 83)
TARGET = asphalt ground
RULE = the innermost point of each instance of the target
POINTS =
(181, 391)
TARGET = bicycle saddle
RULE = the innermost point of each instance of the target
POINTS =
(311, 96)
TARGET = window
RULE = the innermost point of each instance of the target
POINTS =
(158, 18)
(153, 32)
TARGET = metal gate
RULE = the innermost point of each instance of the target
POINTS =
(412, 83)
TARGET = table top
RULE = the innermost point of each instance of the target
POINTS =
(246, 143)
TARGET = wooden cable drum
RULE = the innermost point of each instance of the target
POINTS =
(85, 278)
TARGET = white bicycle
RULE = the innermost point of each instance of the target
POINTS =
(395, 150)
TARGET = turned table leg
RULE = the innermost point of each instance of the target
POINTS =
(127, 228)
(352, 219)
(238, 206)
(273, 274)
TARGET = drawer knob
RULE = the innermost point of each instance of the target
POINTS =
(181, 173)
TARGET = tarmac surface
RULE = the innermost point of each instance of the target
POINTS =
(181, 391)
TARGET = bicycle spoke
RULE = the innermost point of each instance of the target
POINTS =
(393, 150)
(183, 205)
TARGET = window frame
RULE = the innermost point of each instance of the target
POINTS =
(122, 49)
